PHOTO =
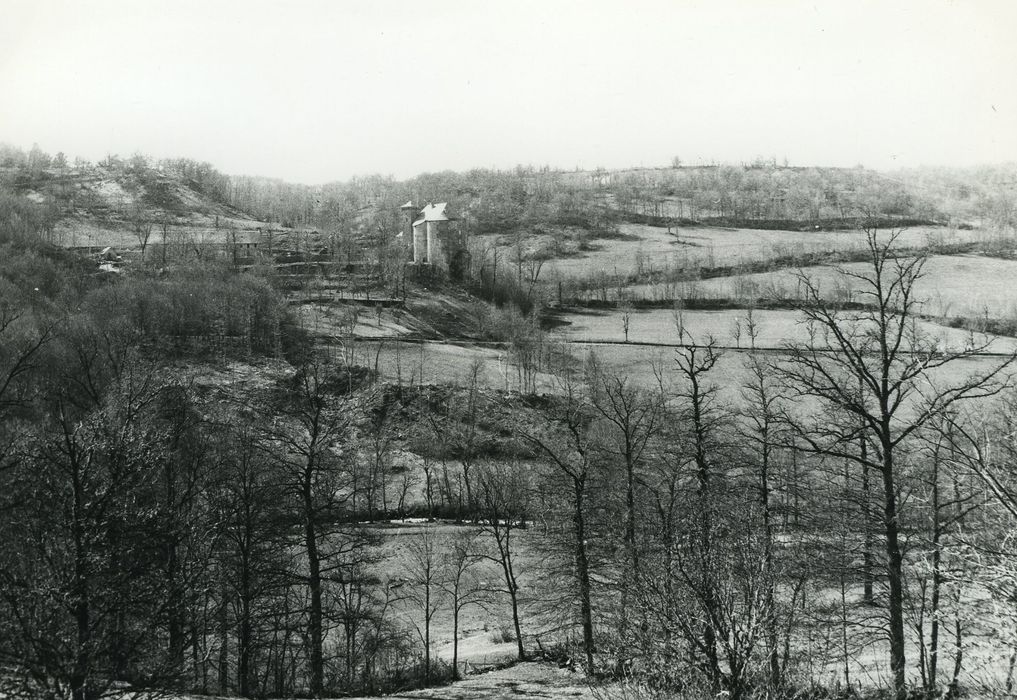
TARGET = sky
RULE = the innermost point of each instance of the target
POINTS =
(316, 91)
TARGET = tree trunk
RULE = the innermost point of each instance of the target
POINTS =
(515, 622)
(631, 574)
(245, 636)
(224, 639)
(583, 573)
(427, 631)
(314, 622)
(455, 640)
(175, 611)
(82, 617)
(958, 660)
(866, 524)
(768, 574)
(937, 576)
(82, 608)
(505, 554)
(894, 569)
(708, 592)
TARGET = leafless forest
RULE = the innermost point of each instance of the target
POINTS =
(695, 431)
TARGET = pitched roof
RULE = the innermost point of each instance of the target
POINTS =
(434, 212)
(409, 205)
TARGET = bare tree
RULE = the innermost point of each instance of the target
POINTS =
(142, 227)
(566, 442)
(311, 445)
(626, 310)
(24, 336)
(503, 501)
(425, 579)
(761, 437)
(461, 583)
(752, 326)
(631, 417)
(697, 399)
(877, 365)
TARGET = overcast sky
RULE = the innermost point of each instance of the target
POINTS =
(318, 91)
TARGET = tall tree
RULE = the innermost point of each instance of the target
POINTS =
(566, 442)
(426, 592)
(460, 582)
(313, 447)
(247, 498)
(697, 398)
(631, 418)
(877, 365)
(762, 438)
(503, 503)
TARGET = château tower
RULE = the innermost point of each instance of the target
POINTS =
(431, 239)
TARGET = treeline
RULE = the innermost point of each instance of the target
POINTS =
(494, 201)
(984, 194)
(766, 194)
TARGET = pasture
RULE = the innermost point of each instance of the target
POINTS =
(729, 328)
(654, 247)
(951, 285)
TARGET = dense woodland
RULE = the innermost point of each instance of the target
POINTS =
(161, 530)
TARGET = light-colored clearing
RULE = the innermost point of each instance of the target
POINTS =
(711, 247)
(951, 285)
(774, 328)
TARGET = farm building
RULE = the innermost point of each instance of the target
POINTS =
(432, 239)
(243, 244)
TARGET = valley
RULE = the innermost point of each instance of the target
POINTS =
(587, 418)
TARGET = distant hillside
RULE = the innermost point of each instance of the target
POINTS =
(134, 202)
(119, 205)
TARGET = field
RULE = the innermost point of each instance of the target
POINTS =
(727, 328)
(951, 285)
(711, 247)
(380, 343)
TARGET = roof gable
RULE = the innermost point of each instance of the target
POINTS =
(435, 212)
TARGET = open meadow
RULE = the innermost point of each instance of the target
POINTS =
(650, 247)
(731, 328)
(950, 286)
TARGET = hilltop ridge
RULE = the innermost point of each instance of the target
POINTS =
(115, 201)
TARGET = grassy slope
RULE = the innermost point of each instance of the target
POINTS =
(98, 207)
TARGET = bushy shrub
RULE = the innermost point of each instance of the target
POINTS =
(502, 634)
